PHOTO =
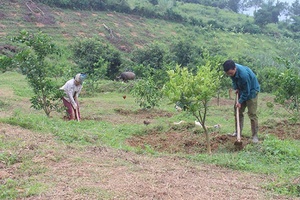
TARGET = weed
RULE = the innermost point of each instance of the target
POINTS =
(8, 189)
(8, 159)
(3, 105)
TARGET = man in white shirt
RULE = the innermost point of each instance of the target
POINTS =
(72, 89)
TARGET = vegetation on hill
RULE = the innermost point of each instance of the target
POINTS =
(152, 38)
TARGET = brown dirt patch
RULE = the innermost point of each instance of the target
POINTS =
(282, 129)
(39, 25)
(134, 34)
(38, 14)
(101, 34)
(132, 117)
(103, 173)
(2, 26)
(129, 24)
(186, 139)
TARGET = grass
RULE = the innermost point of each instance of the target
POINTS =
(274, 157)
(11, 189)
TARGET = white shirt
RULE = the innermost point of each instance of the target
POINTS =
(72, 91)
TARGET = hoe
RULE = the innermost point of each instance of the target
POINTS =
(238, 143)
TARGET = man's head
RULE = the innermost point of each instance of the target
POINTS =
(229, 67)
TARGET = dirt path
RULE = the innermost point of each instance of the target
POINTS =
(105, 173)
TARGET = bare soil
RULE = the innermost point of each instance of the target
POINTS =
(185, 138)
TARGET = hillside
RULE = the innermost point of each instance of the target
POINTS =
(127, 32)
(119, 150)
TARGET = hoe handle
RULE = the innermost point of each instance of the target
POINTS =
(77, 115)
(238, 130)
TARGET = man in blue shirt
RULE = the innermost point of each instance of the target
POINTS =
(245, 82)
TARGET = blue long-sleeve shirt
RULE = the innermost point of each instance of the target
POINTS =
(246, 82)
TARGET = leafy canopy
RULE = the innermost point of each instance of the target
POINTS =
(193, 91)
(35, 62)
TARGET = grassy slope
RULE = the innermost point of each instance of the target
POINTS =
(131, 32)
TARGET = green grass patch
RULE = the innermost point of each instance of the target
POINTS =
(279, 158)
(14, 189)
(3, 105)
(19, 87)
(8, 158)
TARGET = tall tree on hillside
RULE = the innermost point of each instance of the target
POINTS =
(262, 17)
(154, 2)
(234, 5)
(152, 55)
(253, 3)
(269, 13)
(88, 53)
(185, 53)
(294, 12)
(219, 4)
(295, 8)
(295, 26)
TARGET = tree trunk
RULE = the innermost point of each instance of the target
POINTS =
(207, 140)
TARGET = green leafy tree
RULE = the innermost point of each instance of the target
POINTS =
(152, 56)
(35, 63)
(253, 3)
(268, 79)
(5, 63)
(193, 92)
(146, 92)
(92, 82)
(216, 65)
(269, 13)
(295, 8)
(288, 92)
(88, 53)
(262, 17)
(159, 76)
(153, 2)
(295, 25)
(185, 53)
(234, 5)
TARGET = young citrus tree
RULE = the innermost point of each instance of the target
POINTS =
(146, 93)
(193, 92)
(216, 65)
(35, 62)
(288, 92)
